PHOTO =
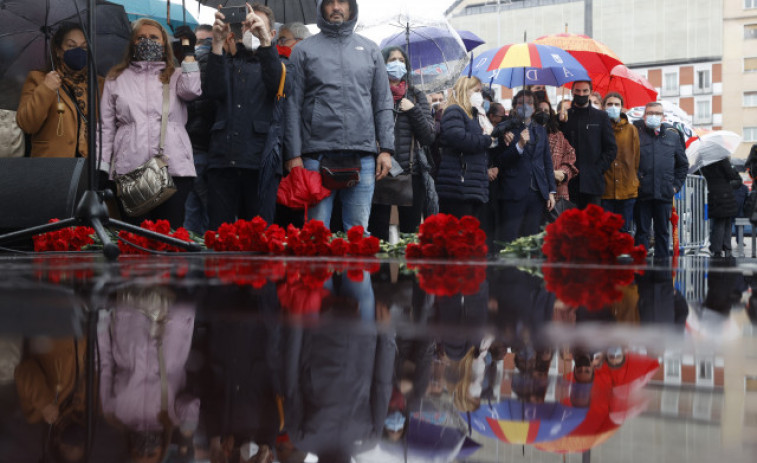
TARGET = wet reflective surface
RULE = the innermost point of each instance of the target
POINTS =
(225, 359)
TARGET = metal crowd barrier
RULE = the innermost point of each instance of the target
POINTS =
(691, 205)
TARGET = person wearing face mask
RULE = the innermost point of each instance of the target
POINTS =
(526, 175)
(588, 130)
(463, 181)
(622, 178)
(563, 155)
(413, 128)
(662, 172)
(53, 105)
(132, 109)
(539, 91)
(242, 80)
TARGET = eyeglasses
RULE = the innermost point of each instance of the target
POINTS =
(284, 40)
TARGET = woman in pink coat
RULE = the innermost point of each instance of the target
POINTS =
(131, 110)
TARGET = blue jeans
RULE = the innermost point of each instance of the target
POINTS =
(624, 207)
(196, 215)
(356, 201)
(655, 211)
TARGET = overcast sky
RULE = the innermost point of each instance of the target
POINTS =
(206, 14)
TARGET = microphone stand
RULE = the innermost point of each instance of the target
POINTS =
(91, 209)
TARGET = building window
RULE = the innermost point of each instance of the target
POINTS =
(673, 370)
(670, 84)
(750, 31)
(750, 64)
(750, 134)
(750, 98)
(704, 82)
(705, 375)
(750, 4)
(703, 112)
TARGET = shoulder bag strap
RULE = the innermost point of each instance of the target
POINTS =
(164, 117)
(412, 154)
(280, 93)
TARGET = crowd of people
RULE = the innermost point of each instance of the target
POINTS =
(351, 111)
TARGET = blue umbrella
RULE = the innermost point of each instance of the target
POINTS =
(428, 45)
(156, 9)
(470, 40)
(527, 64)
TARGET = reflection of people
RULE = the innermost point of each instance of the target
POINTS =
(53, 105)
(143, 353)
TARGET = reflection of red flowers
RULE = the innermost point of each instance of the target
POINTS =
(159, 226)
(64, 269)
(65, 239)
(313, 239)
(245, 272)
(593, 288)
(450, 279)
(443, 235)
(591, 235)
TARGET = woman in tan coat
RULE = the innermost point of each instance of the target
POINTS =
(622, 179)
(53, 105)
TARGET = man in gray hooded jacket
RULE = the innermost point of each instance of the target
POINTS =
(340, 106)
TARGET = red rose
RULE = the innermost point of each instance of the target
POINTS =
(413, 251)
(369, 246)
(338, 247)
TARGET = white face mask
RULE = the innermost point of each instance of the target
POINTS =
(250, 42)
(477, 99)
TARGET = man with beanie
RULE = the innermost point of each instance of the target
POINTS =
(340, 111)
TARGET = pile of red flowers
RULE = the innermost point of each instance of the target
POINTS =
(443, 235)
(65, 239)
(450, 279)
(591, 235)
(593, 288)
(159, 226)
(313, 239)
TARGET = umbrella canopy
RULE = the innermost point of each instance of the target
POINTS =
(157, 10)
(527, 64)
(595, 56)
(518, 422)
(437, 53)
(301, 188)
(709, 148)
(636, 90)
(26, 27)
(470, 40)
(285, 11)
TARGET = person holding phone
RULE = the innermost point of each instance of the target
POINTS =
(242, 79)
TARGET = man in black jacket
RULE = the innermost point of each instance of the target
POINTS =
(590, 133)
(662, 172)
(243, 82)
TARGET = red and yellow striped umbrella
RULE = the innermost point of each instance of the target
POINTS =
(595, 56)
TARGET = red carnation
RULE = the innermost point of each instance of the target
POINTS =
(355, 234)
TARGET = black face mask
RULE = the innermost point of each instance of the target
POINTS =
(541, 118)
(580, 100)
(540, 95)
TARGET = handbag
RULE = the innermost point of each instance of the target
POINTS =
(340, 172)
(396, 189)
(149, 185)
(561, 205)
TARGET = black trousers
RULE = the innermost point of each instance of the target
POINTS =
(410, 216)
(519, 218)
(720, 235)
(232, 195)
(581, 200)
(460, 208)
(171, 210)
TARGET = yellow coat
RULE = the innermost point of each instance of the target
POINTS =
(38, 116)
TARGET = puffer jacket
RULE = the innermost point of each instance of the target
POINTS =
(414, 124)
(663, 164)
(340, 98)
(722, 180)
(621, 179)
(131, 109)
(464, 160)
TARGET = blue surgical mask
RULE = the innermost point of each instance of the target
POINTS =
(613, 112)
(487, 105)
(653, 121)
(525, 111)
(396, 69)
(395, 421)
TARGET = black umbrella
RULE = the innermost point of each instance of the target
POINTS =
(26, 27)
(285, 11)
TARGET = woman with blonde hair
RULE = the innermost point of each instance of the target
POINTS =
(463, 182)
(132, 109)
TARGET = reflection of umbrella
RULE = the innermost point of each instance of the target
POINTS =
(536, 64)
(156, 9)
(517, 422)
(26, 27)
(470, 40)
(636, 90)
(635, 372)
(595, 56)
(710, 148)
(301, 188)
(285, 11)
